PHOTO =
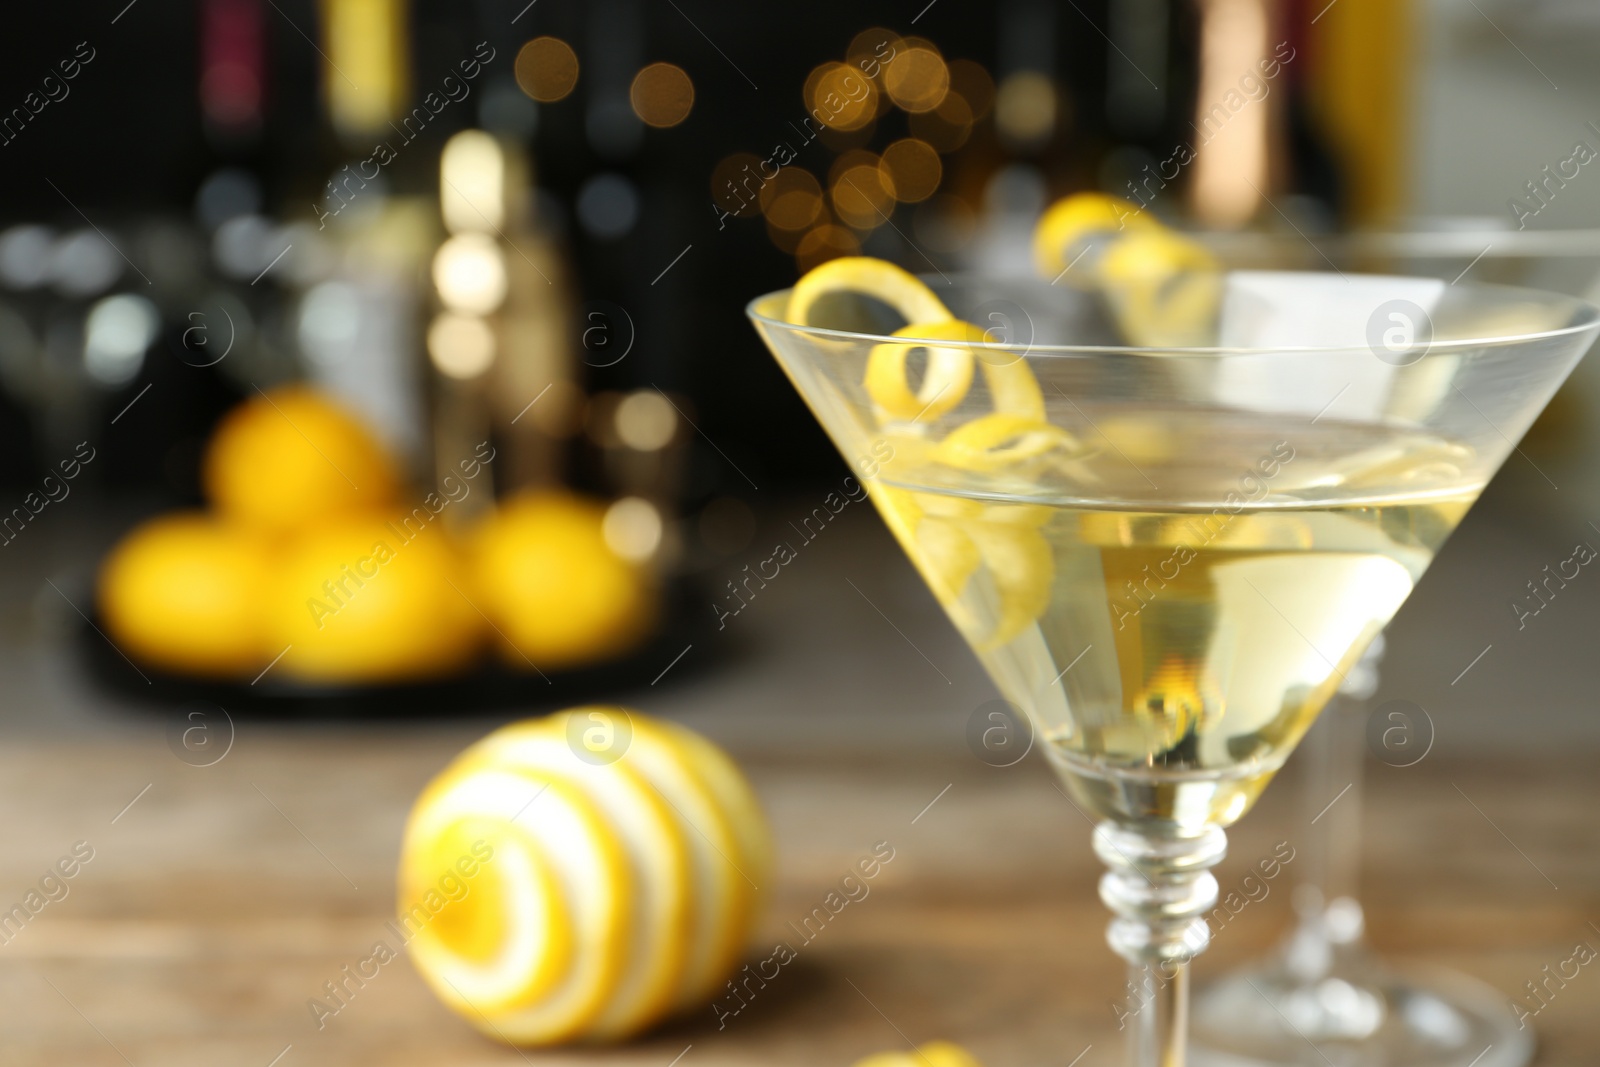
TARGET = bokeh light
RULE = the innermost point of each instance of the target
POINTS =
(547, 69)
(825, 242)
(1025, 108)
(947, 126)
(608, 206)
(646, 421)
(461, 346)
(840, 96)
(856, 186)
(792, 200)
(470, 273)
(973, 83)
(632, 528)
(871, 49)
(910, 170)
(117, 332)
(472, 183)
(916, 79)
(662, 95)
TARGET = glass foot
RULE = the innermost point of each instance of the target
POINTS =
(1350, 1009)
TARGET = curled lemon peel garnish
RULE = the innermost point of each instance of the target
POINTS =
(1012, 387)
(1018, 561)
(1062, 233)
(948, 557)
(945, 382)
(950, 538)
(875, 278)
(995, 442)
(1163, 288)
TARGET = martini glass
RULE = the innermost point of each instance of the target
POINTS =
(1323, 982)
(1173, 563)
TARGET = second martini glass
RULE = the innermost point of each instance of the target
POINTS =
(1323, 989)
(1170, 558)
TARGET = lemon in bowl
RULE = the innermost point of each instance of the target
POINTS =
(181, 592)
(362, 599)
(555, 592)
(291, 457)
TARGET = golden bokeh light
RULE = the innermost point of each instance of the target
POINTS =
(823, 243)
(860, 196)
(1025, 107)
(916, 79)
(736, 184)
(662, 95)
(972, 81)
(840, 96)
(789, 240)
(871, 49)
(910, 170)
(853, 157)
(947, 126)
(547, 69)
(792, 200)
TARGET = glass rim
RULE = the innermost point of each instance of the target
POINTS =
(1447, 242)
(1588, 313)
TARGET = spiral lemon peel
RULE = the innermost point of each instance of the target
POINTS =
(1163, 288)
(875, 278)
(608, 892)
(994, 442)
(656, 850)
(1061, 236)
(945, 382)
(516, 988)
(1018, 561)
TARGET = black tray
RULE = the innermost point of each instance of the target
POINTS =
(685, 623)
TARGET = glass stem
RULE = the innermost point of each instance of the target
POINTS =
(1159, 1032)
(1159, 886)
(1325, 893)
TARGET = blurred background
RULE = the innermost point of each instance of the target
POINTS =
(520, 236)
(202, 141)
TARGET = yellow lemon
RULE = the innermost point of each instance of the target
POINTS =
(556, 593)
(291, 457)
(864, 276)
(183, 592)
(579, 877)
(363, 599)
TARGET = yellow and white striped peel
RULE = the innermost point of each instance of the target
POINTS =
(617, 893)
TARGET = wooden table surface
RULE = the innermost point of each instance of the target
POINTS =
(219, 899)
